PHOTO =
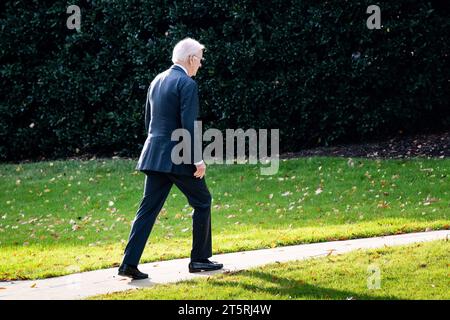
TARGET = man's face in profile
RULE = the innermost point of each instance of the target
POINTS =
(196, 62)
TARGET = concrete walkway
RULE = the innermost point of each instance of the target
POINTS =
(82, 285)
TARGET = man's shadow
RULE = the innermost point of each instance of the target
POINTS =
(278, 286)
(295, 288)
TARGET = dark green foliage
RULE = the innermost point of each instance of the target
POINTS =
(310, 68)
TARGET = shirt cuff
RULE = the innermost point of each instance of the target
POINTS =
(198, 163)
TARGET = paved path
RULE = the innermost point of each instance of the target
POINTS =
(82, 285)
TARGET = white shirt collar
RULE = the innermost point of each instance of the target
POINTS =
(184, 69)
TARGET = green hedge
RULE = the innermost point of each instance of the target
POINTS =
(310, 68)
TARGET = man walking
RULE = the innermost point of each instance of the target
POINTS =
(172, 103)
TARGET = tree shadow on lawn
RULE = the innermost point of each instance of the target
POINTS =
(296, 289)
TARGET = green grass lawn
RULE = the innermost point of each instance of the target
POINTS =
(62, 217)
(418, 271)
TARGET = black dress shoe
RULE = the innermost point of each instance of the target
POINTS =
(126, 270)
(204, 265)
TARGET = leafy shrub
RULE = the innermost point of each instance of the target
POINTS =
(311, 68)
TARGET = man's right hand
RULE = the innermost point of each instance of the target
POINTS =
(201, 170)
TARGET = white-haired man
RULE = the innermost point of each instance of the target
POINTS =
(172, 103)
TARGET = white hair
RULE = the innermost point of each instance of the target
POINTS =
(185, 48)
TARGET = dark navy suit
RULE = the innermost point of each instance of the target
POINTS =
(172, 103)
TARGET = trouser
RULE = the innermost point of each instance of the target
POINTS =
(156, 189)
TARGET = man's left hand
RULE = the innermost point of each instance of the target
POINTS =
(201, 170)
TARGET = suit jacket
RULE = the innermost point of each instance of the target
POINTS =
(172, 103)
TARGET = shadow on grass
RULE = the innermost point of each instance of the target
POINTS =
(295, 289)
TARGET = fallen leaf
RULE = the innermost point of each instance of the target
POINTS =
(383, 204)
(350, 162)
